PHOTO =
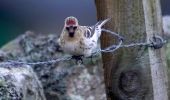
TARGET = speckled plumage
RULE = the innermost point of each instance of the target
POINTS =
(84, 40)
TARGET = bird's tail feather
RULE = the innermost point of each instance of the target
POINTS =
(101, 23)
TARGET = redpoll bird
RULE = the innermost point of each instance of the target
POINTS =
(79, 40)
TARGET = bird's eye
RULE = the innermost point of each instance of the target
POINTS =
(75, 27)
(67, 28)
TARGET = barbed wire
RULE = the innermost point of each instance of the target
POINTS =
(156, 42)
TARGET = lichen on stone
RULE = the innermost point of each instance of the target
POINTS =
(58, 78)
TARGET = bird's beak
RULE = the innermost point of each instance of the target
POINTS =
(71, 31)
(71, 34)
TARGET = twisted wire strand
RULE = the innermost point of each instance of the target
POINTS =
(113, 48)
(36, 63)
(108, 49)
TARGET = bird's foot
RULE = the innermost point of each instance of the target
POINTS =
(92, 59)
(79, 59)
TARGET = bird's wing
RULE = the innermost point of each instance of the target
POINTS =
(89, 31)
(95, 29)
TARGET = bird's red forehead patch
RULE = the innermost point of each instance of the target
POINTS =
(71, 22)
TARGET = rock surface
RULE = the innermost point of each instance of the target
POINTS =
(64, 80)
(19, 82)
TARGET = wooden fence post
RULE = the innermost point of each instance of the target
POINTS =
(136, 73)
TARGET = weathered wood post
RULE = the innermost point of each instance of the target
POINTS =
(136, 73)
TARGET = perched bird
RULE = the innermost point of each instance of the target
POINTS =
(79, 40)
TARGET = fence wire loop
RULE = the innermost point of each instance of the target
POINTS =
(155, 42)
(113, 48)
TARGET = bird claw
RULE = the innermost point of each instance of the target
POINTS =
(79, 59)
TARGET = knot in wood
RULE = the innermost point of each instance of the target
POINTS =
(129, 82)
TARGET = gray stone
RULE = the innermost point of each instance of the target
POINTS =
(19, 82)
(64, 80)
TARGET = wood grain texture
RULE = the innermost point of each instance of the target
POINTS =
(157, 57)
(132, 73)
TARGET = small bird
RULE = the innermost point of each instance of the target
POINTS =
(78, 40)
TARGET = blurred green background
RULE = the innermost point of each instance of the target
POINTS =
(46, 16)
